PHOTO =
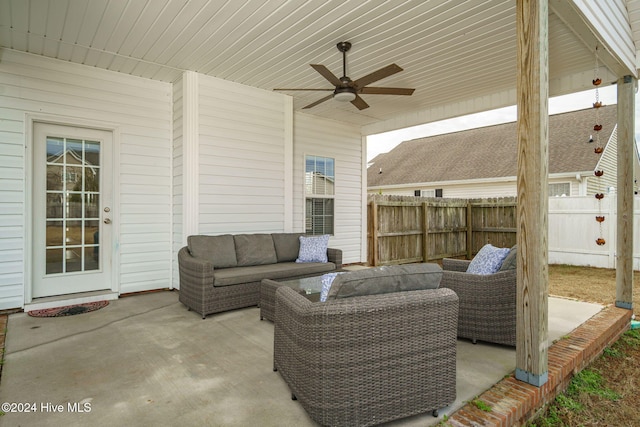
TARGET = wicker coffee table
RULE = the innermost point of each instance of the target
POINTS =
(310, 287)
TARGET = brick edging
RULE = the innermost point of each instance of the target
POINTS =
(514, 402)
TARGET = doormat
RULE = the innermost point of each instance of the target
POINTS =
(68, 310)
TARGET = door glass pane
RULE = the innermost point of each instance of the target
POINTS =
(55, 233)
(73, 178)
(91, 205)
(54, 177)
(73, 233)
(91, 258)
(92, 153)
(73, 205)
(54, 205)
(73, 258)
(74, 152)
(91, 179)
(55, 149)
(54, 261)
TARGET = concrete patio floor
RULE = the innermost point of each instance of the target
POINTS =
(146, 360)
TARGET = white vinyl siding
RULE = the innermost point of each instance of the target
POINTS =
(610, 19)
(343, 142)
(608, 163)
(140, 111)
(242, 152)
(469, 190)
(251, 149)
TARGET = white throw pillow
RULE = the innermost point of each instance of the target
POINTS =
(488, 260)
(327, 280)
(313, 249)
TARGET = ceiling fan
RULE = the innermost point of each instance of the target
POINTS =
(347, 90)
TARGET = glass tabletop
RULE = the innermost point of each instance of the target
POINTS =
(306, 285)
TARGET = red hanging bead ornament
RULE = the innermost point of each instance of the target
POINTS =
(597, 127)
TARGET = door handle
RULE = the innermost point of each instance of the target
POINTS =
(107, 221)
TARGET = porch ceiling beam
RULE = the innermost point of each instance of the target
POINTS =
(532, 23)
(615, 51)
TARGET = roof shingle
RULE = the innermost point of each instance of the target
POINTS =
(491, 152)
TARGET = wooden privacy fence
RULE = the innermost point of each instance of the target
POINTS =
(403, 229)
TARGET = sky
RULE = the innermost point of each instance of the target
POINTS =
(384, 142)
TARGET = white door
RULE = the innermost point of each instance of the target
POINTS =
(72, 211)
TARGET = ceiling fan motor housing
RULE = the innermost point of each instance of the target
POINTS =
(344, 46)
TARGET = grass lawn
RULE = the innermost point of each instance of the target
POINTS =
(607, 393)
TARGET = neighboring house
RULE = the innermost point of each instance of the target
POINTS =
(482, 162)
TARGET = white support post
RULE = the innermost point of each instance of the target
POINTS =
(190, 155)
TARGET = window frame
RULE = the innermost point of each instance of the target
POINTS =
(311, 194)
(568, 183)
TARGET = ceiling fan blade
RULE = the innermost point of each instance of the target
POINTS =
(386, 91)
(324, 71)
(323, 90)
(377, 75)
(359, 102)
(326, 98)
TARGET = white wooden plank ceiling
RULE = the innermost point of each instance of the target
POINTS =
(451, 50)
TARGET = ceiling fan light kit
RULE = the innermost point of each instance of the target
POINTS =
(344, 94)
(347, 90)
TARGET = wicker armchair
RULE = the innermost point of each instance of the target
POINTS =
(487, 302)
(367, 360)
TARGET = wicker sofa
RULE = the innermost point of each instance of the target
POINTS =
(220, 273)
(487, 302)
(364, 360)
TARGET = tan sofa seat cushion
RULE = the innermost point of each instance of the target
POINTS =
(281, 270)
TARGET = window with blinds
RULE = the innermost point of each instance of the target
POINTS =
(319, 194)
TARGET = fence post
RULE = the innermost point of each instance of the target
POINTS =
(425, 232)
(612, 239)
(469, 232)
(374, 233)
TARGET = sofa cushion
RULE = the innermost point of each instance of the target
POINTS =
(509, 262)
(254, 249)
(281, 270)
(488, 260)
(287, 246)
(219, 250)
(313, 248)
(387, 279)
